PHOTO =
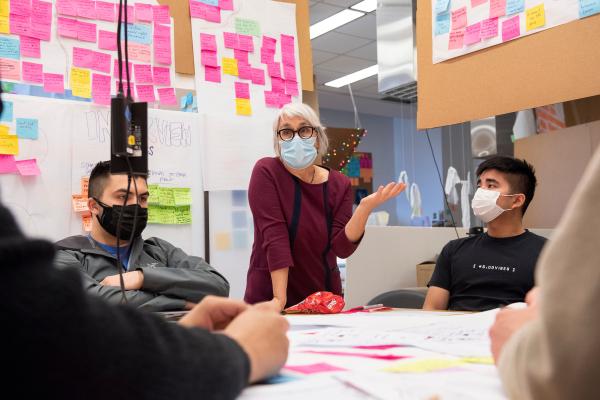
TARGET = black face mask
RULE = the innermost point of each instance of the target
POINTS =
(110, 219)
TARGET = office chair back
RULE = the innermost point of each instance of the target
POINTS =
(402, 298)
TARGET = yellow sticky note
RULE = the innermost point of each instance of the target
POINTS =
(478, 360)
(421, 366)
(182, 196)
(183, 215)
(4, 130)
(536, 17)
(5, 8)
(166, 198)
(223, 241)
(243, 107)
(9, 144)
(81, 83)
(230, 66)
(154, 214)
(4, 25)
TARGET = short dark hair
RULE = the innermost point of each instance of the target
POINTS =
(519, 174)
(98, 179)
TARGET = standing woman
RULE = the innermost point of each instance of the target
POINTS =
(302, 214)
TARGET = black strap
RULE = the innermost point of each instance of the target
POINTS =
(329, 222)
(293, 228)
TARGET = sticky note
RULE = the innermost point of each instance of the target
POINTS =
(497, 8)
(247, 27)
(7, 111)
(139, 52)
(11, 69)
(138, 33)
(231, 40)
(19, 24)
(80, 203)
(274, 70)
(241, 56)
(246, 43)
(27, 128)
(4, 25)
(146, 93)
(459, 18)
(289, 73)
(166, 96)
(511, 28)
(214, 3)
(86, 9)
(162, 50)
(130, 13)
(86, 223)
(161, 76)
(473, 34)
(514, 6)
(101, 89)
(229, 66)
(85, 183)
(28, 167)
(588, 7)
(269, 43)
(291, 88)
(166, 197)
(67, 27)
(209, 58)
(288, 52)
(83, 58)
(4, 8)
(9, 144)
(81, 83)
(33, 72)
(143, 12)
(226, 5)
(208, 42)
(475, 3)
(244, 69)
(277, 85)
(67, 7)
(10, 48)
(41, 12)
(212, 74)
(8, 164)
(30, 47)
(161, 14)
(183, 215)
(86, 32)
(258, 76)
(107, 40)
(243, 107)
(212, 14)
(424, 366)
(242, 90)
(478, 360)
(489, 28)
(197, 9)
(182, 196)
(106, 11)
(20, 7)
(442, 23)
(163, 31)
(143, 73)
(309, 369)
(123, 66)
(101, 62)
(456, 40)
(441, 6)
(223, 241)
(535, 17)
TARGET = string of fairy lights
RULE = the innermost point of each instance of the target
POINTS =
(347, 147)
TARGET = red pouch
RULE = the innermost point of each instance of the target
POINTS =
(318, 303)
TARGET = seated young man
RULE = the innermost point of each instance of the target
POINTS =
(495, 268)
(157, 275)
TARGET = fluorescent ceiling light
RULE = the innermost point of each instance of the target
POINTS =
(333, 22)
(354, 77)
(365, 6)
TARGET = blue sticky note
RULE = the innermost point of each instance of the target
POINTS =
(441, 6)
(138, 33)
(239, 219)
(514, 6)
(7, 112)
(10, 48)
(239, 198)
(210, 2)
(27, 128)
(588, 7)
(240, 239)
(442, 23)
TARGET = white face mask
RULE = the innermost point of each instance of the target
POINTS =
(484, 204)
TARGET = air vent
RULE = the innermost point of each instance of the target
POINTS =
(402, 94)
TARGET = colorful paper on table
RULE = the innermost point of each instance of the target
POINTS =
(212, 74)
(208, 42)
(442, 23)
(478, 360)
(27, 128)
(80, 203)
(107, 11)
(143, 73)
(166, 96)
(423, 366)
(161, 76)
(226, 5)
(9, 48)
(161, 14)
(145, 93)
(8, 164)
(258, 76)
(489, 28)
(378, 347)
(9, 144)
(497, 8)
(11, 69)
(459, 18)
(209, 58)
(107, 40)
(473, 34)
(242, 90)
(588, 7)
(143, 12)
(247, 27)
(81, 83)
(86, 32)
(243, 107)
(30, 47)
(28, 167)
(514, 7)
(535, 17)
(223, 241)
(316, 368)
(33, 72)
(230, 66)
(456, 40)
(475, 3)
(388, 357)
(441, 6)
(7, 111)
(511, 28)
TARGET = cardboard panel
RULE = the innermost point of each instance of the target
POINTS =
(552, 66)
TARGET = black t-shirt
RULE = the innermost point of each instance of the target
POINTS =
(482, 272)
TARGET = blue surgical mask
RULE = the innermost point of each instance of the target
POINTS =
(298, 153)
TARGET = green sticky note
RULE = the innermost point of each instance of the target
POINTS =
(166, 197)
(183, 215)
(154, 198)
(247, 26)
(154, 214)
(182, 196)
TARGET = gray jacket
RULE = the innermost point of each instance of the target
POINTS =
(171, 277)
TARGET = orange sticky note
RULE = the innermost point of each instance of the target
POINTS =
(85, 182)
(80, 203)
(87, 223)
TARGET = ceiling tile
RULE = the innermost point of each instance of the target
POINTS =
(320, 11)
(345, 65)
(324, 75)
(321, 56)
(365, 84)
(368, 52)
(334, 42)
(364, 27)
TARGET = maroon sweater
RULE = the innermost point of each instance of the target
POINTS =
(271, 195)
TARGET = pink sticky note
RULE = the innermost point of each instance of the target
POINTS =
(19, 24)
(473, 34)
(30, 47)
(271, 99)
(161, 14)
(242, 90)
(456, 40)
(86, 32)
(162, 31)
(8, 164)
(288, 57)
(309, 369)
(489, 28)
(107, 40)
(11, 69)
(258, 76)
(143, 12)
(497, 8)
(106, 11)
(284, 99)
(241, 56)
(267, 56)
(277, 85)
(130, 14)
(139, 52)
(475, 3)
(41, 12)
(209, 58)
(86, 9)
(146, 93)
(208, 42)
(287, 43)
(33, 72)
(274, 69)
(231, 40)
(212, 74)
(20, 7)
(459, 18)
(125, 88)
(244, 70)
(67, 27)
(197, 10)
(166, 96)
(143, 73)
(101, 62)
(161, 76)
(289, 73)
(269, 43)
(162, 50)
(40, 31)
(83, 58)
(511, 28)
(116, 69)
(67, 7)
(54, 83)
(375, 356)
(226, 5)
(28, 167)
(213, 14)
(101, 89)
(246, 43)
(291, 88)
